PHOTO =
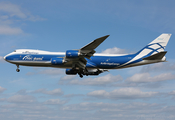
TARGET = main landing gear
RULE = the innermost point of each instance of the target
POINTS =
(17, 70)
(81, 75)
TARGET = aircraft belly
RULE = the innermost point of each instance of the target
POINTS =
(30, 63)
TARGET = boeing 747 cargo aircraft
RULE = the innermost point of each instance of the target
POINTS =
(85, 61)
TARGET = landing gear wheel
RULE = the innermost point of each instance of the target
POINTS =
(17, 70)
(80, 75)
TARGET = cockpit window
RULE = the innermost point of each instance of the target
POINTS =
(14, 51)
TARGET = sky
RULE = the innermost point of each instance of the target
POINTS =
(144, 92)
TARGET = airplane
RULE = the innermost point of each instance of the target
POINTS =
(85, 61)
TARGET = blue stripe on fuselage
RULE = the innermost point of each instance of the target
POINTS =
(31, 57)
(103, 62)
(110, 62)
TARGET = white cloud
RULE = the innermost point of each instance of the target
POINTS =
(10, 14)
(51, 92)
(58, 109)
(2, 99)
(103, 80)
(166, 66)
(35, 18)
(12, 9)
(52, 71)
(7, 30)
(87, 111)
(123, 93)
(145, 77)
(114, 50)
(21, 99)
(123, 111)
(108, 107)
(68, 77)
(54, 102)
(2, 89)
(172, 92)
(73, 95)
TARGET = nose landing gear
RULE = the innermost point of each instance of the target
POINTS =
(17, 70)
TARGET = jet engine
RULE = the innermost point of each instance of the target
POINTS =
(92, 72)
(57, 61)
(83, 72)
(71, 72)
(72, 53)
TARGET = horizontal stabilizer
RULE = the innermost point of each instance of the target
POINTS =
(157, 56)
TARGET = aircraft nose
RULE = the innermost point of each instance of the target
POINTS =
(7, 57)
(4, 57)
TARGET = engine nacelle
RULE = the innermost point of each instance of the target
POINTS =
(92, 73)
(72, 53)
(71, 72)
(57, 61)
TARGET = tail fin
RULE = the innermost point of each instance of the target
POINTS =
(156, 46)
(153, 51)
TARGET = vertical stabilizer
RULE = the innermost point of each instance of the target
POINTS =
(155, 49)
(156, 46)
(160, 42)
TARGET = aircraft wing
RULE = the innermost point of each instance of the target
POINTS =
(77, 57)
(89, 49)
(94, 44)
